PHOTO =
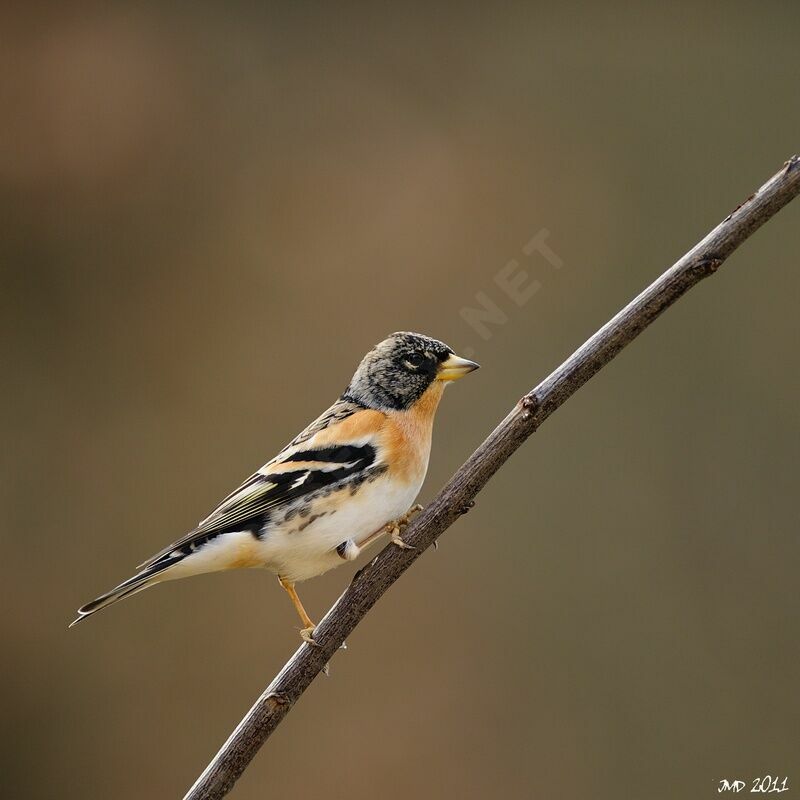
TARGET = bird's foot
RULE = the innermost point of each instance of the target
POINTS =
(398, 539)
(307, 635)
(406, 518)
(399, 525)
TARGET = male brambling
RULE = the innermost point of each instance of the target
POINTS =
(348, 478)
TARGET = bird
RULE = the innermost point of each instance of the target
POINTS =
(347, 479)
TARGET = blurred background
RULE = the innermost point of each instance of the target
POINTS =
(210, 212)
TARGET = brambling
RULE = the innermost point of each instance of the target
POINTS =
(348, 478)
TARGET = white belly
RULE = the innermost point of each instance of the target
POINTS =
(299, 547)
(302, 547)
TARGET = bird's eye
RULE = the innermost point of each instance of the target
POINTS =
(415, 359)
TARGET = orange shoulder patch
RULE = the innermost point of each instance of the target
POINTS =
(357, 426)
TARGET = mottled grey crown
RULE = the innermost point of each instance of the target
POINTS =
(397, 371)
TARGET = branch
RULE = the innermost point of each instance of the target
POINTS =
(370, 583)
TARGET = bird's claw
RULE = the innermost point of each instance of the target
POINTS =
(396, 528)
(406, 518)
(307, 635)
(398, 540)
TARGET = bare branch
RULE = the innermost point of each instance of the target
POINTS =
(458, 495)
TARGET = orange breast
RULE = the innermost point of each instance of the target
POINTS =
(407, 436)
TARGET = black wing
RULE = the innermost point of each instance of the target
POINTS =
(300, 469)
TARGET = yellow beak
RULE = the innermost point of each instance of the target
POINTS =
(454, 368)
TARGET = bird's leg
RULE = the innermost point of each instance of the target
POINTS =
(396, 528)
(366, 543)
(349, 550)
(307, 632)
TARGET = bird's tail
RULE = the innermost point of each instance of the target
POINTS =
(142, 580)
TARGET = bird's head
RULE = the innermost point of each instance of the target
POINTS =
(399, 370)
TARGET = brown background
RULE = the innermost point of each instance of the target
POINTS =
(210, 212)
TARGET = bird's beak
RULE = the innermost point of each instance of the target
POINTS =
(454, 368)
